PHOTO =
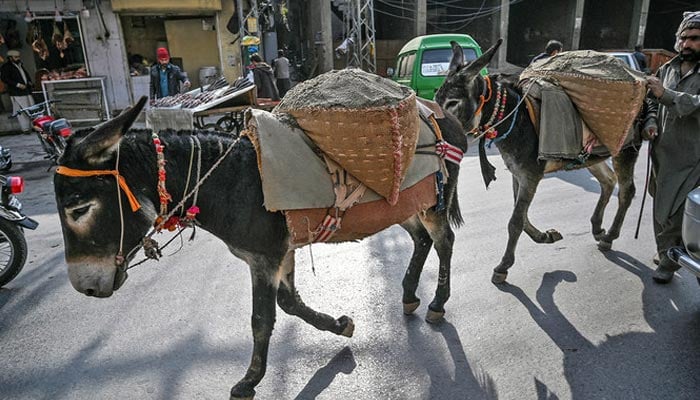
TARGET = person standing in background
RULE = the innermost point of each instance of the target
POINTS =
(552, 48)
(19, 87)
(674, 100)
(263, 78)
(281, 68)
(641, 58)
(166, 77)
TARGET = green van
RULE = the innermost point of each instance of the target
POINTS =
(423, 62)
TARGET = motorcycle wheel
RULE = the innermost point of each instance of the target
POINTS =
(7, 167)
(13, 251)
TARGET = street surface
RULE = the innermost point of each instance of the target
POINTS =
(573, 322)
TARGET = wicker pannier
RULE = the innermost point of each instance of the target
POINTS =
(375, 144)
(607, 93)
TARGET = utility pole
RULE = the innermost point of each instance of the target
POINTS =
(421, 16)
(319, 16)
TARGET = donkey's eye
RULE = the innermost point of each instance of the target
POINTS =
(451, 104)
(78, 212)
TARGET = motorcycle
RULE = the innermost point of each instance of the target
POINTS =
(13, 245)
(52, 132)
(688, 256)
(5, 159)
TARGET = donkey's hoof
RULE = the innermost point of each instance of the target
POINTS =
(239, 392)
(499, 277)
(434, 317)
(553, 235)
(599, 236)
(349, 326)
(409, 308)
(604, 245)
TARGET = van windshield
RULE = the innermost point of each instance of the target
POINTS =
(436, 62)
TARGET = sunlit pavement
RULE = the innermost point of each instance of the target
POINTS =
(573, 322)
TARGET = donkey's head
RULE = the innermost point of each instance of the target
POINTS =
(93, 211)
(461, 92)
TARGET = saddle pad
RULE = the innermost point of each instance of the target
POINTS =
(294, 175)
(364, 219)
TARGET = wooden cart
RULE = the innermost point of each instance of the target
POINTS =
(231, 120)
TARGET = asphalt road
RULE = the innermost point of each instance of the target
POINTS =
(573, 322)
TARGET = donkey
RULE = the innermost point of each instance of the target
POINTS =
(99, 228)
(464, 94)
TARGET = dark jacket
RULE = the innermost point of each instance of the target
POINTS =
(11, 76)
(265, 81)
(175, 76)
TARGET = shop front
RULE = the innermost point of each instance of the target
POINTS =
(189, 29)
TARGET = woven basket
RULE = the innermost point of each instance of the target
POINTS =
(609, 107)
(376, 144)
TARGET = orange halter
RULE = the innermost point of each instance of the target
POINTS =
(483, 100)
(135, 206)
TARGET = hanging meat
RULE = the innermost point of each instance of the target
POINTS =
(2, 40)
(68, 38)
(57, 39)
(37, 42)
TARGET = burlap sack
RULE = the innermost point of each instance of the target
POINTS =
(606, 92)
(370, 128)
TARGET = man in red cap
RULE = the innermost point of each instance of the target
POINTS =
(166, 77)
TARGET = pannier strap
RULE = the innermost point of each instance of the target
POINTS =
(78, 173)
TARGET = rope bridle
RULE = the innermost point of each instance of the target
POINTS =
(150, 246)
(488, 129)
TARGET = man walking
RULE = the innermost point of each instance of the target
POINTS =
(676, 147)
(281, 67)
(166, 77)
(19, 87)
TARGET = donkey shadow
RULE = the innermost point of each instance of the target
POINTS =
(466, 383)
(343, 362)
(629, 365)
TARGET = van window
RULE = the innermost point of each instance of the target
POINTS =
(407, 66)
(437, 61)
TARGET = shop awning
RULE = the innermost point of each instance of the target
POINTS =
(166, 6)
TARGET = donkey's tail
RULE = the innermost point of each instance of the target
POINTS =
(454, 214)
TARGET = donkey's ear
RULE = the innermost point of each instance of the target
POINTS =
(457, 56)
(97, 145)
(477, 65)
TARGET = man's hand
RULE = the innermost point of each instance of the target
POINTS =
(649, 132)
(21, 86)
(187, 84)
(655, 86)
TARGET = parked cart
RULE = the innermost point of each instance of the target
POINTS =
(197, 108)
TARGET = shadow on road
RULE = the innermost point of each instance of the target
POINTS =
(342, 363)
(464, 383)
(622, 366)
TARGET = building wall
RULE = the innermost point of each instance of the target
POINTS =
(196, 47)
(533, 23)
(662, 23)
(606, 24)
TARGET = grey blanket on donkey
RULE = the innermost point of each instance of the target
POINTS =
(294, 174)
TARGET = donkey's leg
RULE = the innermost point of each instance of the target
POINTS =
(525, 192)
(606, 177)
(290, 302)
(623, 164)
(551, 236)
(443, 237)
(265, 282)
(421, 247)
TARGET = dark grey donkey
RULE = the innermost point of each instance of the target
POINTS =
(461, 95)
(100, 227)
